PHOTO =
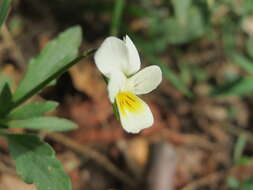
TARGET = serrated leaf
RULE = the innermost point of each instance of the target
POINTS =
(5, 100)
(36, 163)
(4, 6)
(31, 110)
(43, 123)
(53, 58)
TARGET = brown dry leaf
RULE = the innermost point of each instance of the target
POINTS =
(159, 123)
(99, 136)
(138, 150)
(136, 153)
(139, 24)
(71, 164)
(89, 113)
(247, 25)
(88, 80)
(242, 172)
(10, 71)
(205, 108)
(43, 39)
(173, 121)
(9, 182)
(219, 134)
(190, 163)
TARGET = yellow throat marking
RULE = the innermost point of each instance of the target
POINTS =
(128, 102)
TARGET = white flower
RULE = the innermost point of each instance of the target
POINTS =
(119, 61)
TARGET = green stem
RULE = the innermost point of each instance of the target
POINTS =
(116, 17)
(52, 77)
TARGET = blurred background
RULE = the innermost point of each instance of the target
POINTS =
(202, 137)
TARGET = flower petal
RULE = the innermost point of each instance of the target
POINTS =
(135, 114)
(133, 57)
(145, 80)
(111, 56)
(115, 84)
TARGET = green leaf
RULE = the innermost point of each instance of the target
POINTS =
(239, 147)
(183, 32)
(4, 6)
(243, 62)
(181, 9)
(31, 110)
(233, 183)
(249, 47)
(247, 184)
(36, 163)
(242, 86)
(244, 160)
(43, 123)
(5, 79)
(5, 100)
(51, 61)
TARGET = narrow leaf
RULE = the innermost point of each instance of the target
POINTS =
(4, 6)
(239, 148)
(36, 163)
(5, 79)
(242, 86)
(249, 47)
(5, 100)
(32, 110)
(245, 63)
(181, 8)
(53, 58)
(43, 123)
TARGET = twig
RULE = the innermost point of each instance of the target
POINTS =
(7, 37)
(209, 179)
(99, 158)
(239, 131)
(162, 167)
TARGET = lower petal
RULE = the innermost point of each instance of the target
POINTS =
(116, 81)
(135, 114)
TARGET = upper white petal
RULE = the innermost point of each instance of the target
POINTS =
(133, 57)
(111, 56)
(145, 80)
(135, 122)
(115, 84)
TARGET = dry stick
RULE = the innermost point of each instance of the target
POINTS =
(99, 158)
(8, 39)
(211, 178)
(239, 131)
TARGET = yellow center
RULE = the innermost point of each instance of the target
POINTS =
(127, 101)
